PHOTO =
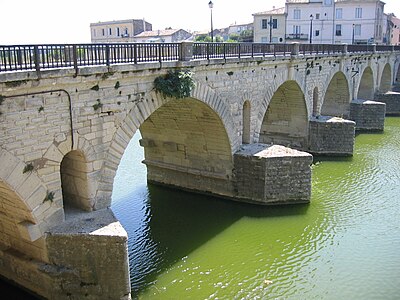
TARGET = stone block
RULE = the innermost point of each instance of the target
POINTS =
(368, 115)
(331, 136)
(392, 101)
(274, 174)
(28, 231)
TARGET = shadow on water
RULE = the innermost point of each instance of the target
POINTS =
(182, 221)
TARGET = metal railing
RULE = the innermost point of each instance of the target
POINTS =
(42, 57)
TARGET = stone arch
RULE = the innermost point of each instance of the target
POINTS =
(386, 79)
(336, 101)
(78, 184)
(315, 101)
(366, 88)
(286, 119)
(246, 123)
(22, 207)
(137, 117)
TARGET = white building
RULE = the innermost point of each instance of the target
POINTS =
(121, 31)
(270, 26)
(339, 21)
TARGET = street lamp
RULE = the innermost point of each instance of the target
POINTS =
(352, 37)
(270, 29)
(311, 19)
(211, 5)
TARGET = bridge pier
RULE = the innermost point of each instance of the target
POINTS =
(331, 136)
(87, 259)
(274, 174)
(368, 115)
(392, 101)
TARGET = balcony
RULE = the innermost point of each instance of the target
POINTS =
(297, 36)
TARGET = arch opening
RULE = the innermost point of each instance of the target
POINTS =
(337, 97)
(246, 121)
(366, 89)
(286, 120)
(77, 188)
(186, 145)
(386, 80)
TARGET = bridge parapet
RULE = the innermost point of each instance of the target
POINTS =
(42, 57)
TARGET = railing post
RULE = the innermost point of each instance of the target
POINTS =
(75, 58)
(239, 49)
(208, 51)
(107, 55)
(36, 59)
(159, 53)
(186, 51)
(295, 50)
(135, 55)
(344, 49)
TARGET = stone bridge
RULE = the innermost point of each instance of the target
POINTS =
(64, 132)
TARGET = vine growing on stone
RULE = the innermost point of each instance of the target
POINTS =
(175, 84)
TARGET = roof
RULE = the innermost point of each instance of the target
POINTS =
(276, 11)
(152, 33)
(117, 22)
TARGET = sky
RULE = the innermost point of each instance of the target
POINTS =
(68, 21)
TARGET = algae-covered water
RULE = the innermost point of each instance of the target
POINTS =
(345, 244)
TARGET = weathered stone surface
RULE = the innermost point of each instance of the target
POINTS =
(332, 136)
(274, 174)
(368, 115)
(392, 101)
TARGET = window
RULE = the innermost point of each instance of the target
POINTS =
(110, 31)
(316, 32)
(118, 33)
(275, 40)
(358, 12)
(328, 2)
(339, 13)
(338, 29)
(296, 31)
(317, 16)
(103, 31)
(264, 39)
(357, 29)
(264, 23)
(297, 14)
(274, 23)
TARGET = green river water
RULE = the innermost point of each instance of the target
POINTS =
(345, 244)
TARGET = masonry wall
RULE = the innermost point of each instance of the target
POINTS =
(97, 112)
(392, 101)
(368, 115)
(332, 136)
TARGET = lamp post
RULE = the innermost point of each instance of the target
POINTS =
(311, 19)
(270, 29)
(352, 37)
(211, 5)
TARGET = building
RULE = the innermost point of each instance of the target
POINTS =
(335, 21)
(270, 26)
(394, 29)
(121, 31)
(162, 36)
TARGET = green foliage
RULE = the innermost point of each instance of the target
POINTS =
(40, 109)
(175, 84)
(28, 168)
(97, 105)
(117, 85)
(49, 197)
